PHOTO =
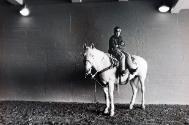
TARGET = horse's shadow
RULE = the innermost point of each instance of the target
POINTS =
(126, 107)
(97, 112)
(98, 109)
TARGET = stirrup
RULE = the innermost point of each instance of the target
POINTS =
(123, 72)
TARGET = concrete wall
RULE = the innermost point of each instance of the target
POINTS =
(40, 55)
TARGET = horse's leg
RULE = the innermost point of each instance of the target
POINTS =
(134, 90)
(107, 100)
(143, 91)
(111, 93)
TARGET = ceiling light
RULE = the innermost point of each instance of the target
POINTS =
(164, 9)
(25, 11)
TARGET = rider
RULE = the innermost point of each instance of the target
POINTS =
(116, 45)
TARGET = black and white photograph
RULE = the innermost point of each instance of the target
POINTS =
(94, 62)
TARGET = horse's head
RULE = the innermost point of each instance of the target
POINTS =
(88, 58)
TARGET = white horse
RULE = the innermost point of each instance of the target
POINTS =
(100, 61)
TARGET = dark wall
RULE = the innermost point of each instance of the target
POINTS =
(40, 55)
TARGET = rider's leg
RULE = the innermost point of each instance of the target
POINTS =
(122, 62)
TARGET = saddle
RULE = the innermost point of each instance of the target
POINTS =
(113, 60)
(116, 63)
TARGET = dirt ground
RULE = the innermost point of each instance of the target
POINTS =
(45, 113)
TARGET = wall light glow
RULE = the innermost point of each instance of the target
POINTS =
(25, 11)
(164, 8)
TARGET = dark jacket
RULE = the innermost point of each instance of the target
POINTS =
(116, 45)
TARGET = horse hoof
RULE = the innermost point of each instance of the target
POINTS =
(131, 107)
(112, 114)
(106, 111)
(143, 107)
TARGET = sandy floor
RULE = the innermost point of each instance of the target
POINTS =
(37, 113)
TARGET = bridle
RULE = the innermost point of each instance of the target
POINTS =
(88, 72)
(93, 76)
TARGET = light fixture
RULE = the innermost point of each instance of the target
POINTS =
(164, 8)
(25, 11)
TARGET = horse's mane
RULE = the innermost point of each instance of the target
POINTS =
(100, 53)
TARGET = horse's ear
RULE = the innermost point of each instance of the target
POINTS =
(92, 45)
(85, 46)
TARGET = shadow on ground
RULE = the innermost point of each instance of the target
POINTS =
(45, 113)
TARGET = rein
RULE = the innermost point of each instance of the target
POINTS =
(99, 72)
(103, 70)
